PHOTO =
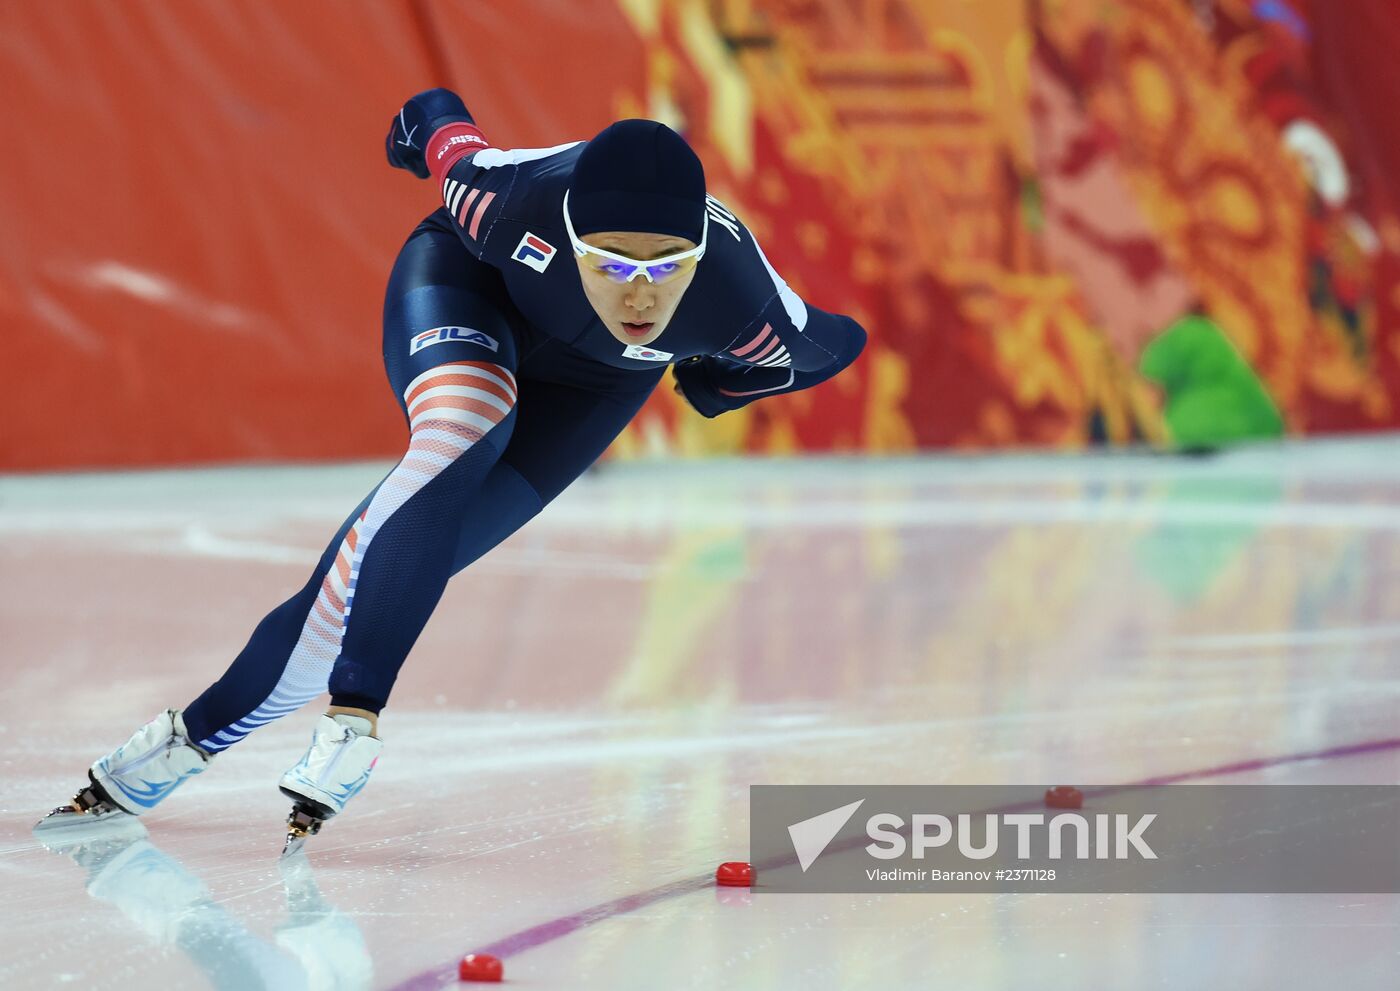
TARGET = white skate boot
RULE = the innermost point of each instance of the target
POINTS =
(331, 772)
(136, 776)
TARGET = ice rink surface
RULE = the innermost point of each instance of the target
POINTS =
(570, 745)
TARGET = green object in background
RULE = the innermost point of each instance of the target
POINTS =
(1033, 205)
(1185, 557)
(1213, 397)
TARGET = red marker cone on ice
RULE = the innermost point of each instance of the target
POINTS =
(480, 967)
(734, 874)
(1064, 797)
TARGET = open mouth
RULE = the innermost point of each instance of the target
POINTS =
(637, 329)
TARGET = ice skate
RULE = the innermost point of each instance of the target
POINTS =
(135, 777)
(331, 772)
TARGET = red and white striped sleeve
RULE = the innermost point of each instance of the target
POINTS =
(476, 179)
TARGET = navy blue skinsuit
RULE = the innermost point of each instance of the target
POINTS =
(485, 312)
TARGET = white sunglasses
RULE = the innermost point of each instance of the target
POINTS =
(620, 268)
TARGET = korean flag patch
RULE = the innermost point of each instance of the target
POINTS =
(643, 353)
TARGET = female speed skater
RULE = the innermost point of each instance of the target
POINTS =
(514, 370)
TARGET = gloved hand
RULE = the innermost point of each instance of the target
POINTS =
(412, 126)
(693, 384)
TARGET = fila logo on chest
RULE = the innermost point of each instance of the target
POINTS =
(534, 251)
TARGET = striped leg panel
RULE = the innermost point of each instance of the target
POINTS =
(450, 408)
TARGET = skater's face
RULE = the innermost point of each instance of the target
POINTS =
(635, 312)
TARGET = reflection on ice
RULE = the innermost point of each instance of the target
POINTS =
(316, 948)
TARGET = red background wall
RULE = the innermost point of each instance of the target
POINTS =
(199, 219)
(1018, 198)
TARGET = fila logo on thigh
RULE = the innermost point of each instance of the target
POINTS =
(441, 335)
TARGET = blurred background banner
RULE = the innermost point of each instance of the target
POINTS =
(1063, 221)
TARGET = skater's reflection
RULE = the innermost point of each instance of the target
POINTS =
(317, 947)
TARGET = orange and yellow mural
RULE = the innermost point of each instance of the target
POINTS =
(1068, 221)
(1064, 222)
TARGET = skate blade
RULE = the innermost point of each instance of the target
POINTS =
(64, 823)
(302, 822)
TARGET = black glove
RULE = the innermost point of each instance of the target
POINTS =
(419, 119)
(695, 386)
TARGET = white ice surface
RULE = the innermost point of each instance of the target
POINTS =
(581, 720)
